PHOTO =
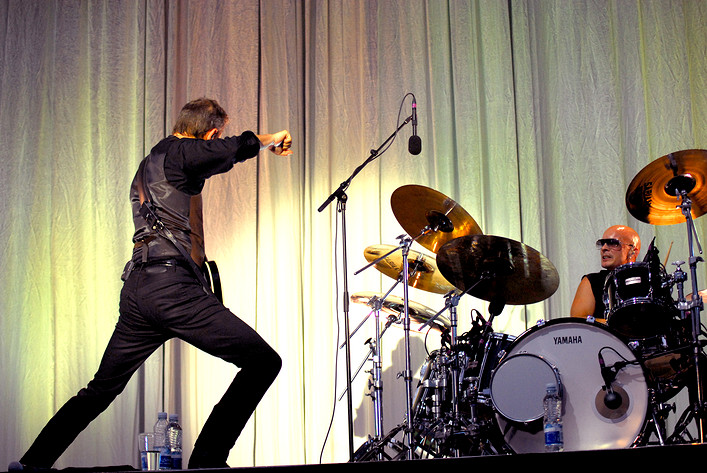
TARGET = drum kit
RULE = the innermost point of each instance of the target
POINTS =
(481, 392)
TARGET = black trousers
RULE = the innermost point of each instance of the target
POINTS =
(159, 302)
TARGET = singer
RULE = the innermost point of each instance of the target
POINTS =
(618, 245)
(163, 296)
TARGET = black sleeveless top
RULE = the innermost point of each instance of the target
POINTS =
(597, 281)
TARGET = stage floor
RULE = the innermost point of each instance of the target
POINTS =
(675, 457)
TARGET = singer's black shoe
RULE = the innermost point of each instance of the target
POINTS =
(17, 466)
(200, 463)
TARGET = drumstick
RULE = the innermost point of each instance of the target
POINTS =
(665, 262)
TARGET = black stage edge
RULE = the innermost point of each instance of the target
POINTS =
(679, 458)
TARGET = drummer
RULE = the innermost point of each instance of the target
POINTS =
(618, 245)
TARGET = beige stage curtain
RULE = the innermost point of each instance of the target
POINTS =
(534, 116)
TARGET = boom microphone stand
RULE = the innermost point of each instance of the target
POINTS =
(341, 197)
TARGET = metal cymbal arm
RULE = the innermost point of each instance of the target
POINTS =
(376, 303)
(391, 320)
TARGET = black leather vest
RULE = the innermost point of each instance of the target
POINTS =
(171, 205)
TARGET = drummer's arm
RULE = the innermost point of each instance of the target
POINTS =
(583, 303)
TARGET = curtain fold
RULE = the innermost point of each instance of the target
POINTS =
(534, 116)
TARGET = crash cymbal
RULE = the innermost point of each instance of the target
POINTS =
(424, 273)
(519, 274)
(395, 305)
(652, 196)
(418, 208)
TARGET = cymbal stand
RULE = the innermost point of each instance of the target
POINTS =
(340, 195)
(405, 243)
(404, 246)
(374, 445)
(374, 354)
(376, 385)
(691, 310)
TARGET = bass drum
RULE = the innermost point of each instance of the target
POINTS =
(566, 352)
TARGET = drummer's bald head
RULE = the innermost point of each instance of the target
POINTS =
(627, 236)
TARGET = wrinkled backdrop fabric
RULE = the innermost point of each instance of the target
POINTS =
(534, 116)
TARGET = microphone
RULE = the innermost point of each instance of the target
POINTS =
(651, 253)
(612, 399)
(414, 143)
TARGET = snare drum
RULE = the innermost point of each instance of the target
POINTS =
(637, 306)
(566, 352)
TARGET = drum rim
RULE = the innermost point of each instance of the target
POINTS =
(565, 320)
(589, 321)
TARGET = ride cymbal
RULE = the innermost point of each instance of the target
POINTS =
(654, 193)
(420, 209)
(395, 305)
(423, 271)
(513, 273)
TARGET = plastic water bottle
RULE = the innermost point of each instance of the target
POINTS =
(174, 440)
(161, 440)
(552, 419)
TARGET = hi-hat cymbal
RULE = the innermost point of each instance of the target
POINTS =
(653, 195)
(419, 208)
(518, 273)
(423, 271)
(395, 305)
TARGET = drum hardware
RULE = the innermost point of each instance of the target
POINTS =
(442, 219)
(375, 302)
(447, 427)
(690, 311)
(499, 271)
(404, 248)
(375, 449)
(495, 269)
(468, 428)
(392, 305)
(375, 385)
(656, 424)
(678, 177)
(451, 302)
(374, 356)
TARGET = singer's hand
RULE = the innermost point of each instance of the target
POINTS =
(278, 143)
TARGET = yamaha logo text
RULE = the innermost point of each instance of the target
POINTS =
(568, 340)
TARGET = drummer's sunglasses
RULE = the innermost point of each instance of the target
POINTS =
(612, 243)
